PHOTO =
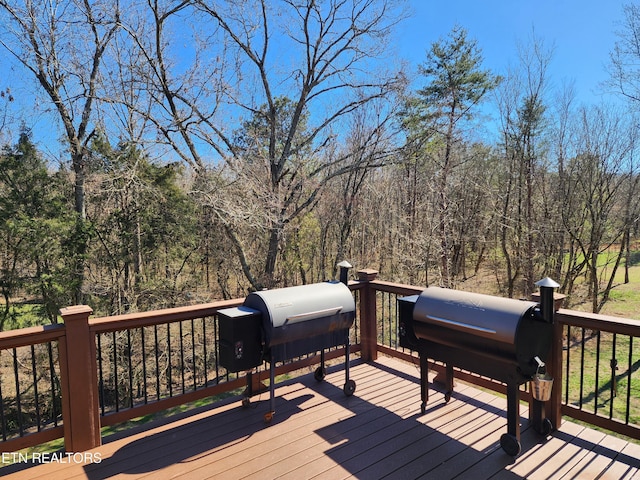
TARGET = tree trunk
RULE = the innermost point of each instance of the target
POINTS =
(81, 233)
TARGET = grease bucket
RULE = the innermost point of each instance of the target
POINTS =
(541, 386)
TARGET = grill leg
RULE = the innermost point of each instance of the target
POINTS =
(538, 417)
(513, 409)
(321, 371)
(248, 393)
(448, 386)
(510, 441)
(346, 360)
(272, 403)
(349, 385)
(424, 381)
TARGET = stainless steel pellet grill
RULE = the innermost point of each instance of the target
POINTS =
(500, 338)
(283, 324)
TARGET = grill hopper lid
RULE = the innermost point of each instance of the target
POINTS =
(490, 317)
(303, 310)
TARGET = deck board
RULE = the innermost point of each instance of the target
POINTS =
(377, 433)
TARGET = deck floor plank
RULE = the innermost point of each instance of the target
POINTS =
(378, 433)
(430, 439)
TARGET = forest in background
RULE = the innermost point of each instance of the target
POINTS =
(210, 150)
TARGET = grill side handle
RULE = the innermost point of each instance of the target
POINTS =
(302, 317)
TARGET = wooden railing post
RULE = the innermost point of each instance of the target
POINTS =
(78, 369)
(368, 316)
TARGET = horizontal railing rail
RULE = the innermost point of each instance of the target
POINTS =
(143, 363)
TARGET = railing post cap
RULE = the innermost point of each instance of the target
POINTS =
(367, 274)
(76, 311)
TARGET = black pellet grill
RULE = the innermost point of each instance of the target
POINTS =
(286, 323)
(499, 338)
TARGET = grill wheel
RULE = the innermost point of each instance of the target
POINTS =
(349, 388)
(510, 444)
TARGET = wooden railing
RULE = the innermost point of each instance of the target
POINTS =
(70, 380)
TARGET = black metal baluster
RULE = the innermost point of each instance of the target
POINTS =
(193, 354)
(16, 376)
(356, 323)
(395, 322)
(597, 385)
(614, 368)
(180, 332)
(130, 363)
(630, 369)
(35, 386)
(204, 352)
(115, 371)
(566, 367)
(100, 375)
(54, 411)
(155, 336)
(383, 322)
(215, 354)
(144, 366)
(581, 392)
(169, 377)
(390, 321)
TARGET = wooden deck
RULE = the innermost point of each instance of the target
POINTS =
(379, 432)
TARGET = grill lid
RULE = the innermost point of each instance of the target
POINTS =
(291, 305)
(477, 314)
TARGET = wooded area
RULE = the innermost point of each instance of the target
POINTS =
(213, 148)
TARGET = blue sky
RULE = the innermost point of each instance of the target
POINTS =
(582, 32)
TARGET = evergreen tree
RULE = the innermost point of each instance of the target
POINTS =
(37, 229)
(456, 83)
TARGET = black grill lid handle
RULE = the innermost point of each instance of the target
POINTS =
(301, 317)
(465, 327)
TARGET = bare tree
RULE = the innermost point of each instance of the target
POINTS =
(369, 143)
(62, 43)
(270, 87)
(623, 60)
(598, 178)
(6, 98)
(522, 106)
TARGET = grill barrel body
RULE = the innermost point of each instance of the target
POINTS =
(505, 329)
(304, 319)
